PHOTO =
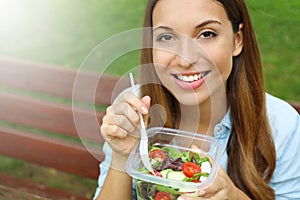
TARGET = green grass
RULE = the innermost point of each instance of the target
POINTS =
(64, 32)
(48, 176)
(277, 27)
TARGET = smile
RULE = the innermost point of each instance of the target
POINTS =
(190, 78)
(190, 81)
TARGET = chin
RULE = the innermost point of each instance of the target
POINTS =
(192, 99)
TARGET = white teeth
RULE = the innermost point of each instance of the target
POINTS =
(190, 78)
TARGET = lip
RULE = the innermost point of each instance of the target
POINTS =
(191, 85)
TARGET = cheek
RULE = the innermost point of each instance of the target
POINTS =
(222, 58)
(162, 58)
(162, 62)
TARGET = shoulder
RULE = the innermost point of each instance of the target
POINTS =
(284, 121)
(277, 106)
(285, 126)
(280, 113)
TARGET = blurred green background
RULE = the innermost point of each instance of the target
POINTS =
(64, 32)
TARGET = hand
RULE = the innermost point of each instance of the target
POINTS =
(120, 127)
(222, 188)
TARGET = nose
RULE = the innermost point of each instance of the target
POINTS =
(187, 53)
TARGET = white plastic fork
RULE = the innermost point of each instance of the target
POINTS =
(144, 138)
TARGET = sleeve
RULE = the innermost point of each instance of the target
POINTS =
(104, 167)
(286, 178)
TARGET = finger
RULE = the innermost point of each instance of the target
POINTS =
(123, 122)
(215, 187)
(121, 109)
(109, 132)
(110, 120)
(126, 110)
(134, 101)
(147, 101)
(220, 187)
(119, 120)
(123, 145)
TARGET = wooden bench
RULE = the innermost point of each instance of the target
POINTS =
(28, 99)
(31, 116)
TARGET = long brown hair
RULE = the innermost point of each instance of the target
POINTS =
(250, 149)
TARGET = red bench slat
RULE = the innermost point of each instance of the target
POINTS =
(48, 116)
(57, 81)
(62, 155)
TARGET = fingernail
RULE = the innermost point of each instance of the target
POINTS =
(201, 192)
(144, 110)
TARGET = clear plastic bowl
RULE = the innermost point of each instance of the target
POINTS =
(183, 141)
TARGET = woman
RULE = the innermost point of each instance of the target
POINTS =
(205, 61)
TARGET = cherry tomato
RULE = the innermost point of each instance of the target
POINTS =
(156, 173)
(158, 155)
(190, 168)
(162, 196)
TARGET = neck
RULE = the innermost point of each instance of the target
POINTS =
(204, 117)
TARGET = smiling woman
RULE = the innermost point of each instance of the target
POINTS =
(64, 31)
(200, 63)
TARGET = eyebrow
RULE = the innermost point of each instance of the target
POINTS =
(162, 27)
(198, 26)
(210, 21)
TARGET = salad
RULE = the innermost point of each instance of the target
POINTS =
(170, 163)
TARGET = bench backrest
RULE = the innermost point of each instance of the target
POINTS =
(26, 117)
(37, 117)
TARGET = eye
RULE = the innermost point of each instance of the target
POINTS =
(165, 37)
(207, 34)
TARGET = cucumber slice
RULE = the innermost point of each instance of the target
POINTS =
(165, 172)
(176, 175)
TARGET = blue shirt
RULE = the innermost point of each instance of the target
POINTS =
(285, 126)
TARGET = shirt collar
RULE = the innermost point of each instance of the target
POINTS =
(226, 121)
(223, 129)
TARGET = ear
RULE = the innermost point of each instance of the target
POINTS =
(238, 41)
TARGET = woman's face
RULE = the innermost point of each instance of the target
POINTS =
(194, 45)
